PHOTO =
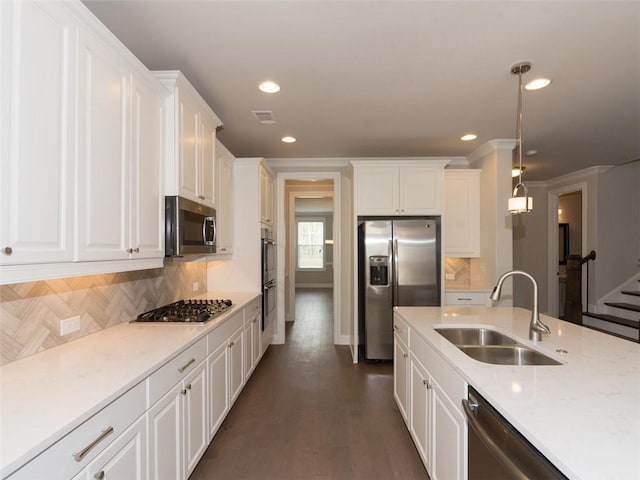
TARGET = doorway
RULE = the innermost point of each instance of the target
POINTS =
(309, 251)
(567, 236)
(308, 256)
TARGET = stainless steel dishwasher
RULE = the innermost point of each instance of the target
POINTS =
(498, 451)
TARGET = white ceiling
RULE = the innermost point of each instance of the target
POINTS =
(397, 78)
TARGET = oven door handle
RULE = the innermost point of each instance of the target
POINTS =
(204, 231)
(514, 471)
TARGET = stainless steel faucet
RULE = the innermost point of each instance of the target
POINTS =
(536, 327)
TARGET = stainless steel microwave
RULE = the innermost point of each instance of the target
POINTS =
(190, 228)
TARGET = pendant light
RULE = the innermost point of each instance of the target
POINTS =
(524, 203)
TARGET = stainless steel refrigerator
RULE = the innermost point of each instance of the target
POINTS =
(398, 265)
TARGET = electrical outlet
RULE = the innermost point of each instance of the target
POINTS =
(69, 325)
(449, 276)
(196, 286)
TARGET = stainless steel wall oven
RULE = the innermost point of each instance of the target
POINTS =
(268, 277)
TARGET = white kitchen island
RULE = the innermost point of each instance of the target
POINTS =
(583, 415)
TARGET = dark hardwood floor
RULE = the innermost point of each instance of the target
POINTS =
(309, 413)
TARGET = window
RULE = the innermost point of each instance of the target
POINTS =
(310, 243)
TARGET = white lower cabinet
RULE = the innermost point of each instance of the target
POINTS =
(433, 409)
(400, 371)
(124, 458)
(218, 388)
(421, 408)
(177, 427)
(252, 339)
(98, 442)
(449, 453)
(160, 428)
(165, 436)
(225, 370)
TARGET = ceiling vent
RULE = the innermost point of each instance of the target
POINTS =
(264, 116)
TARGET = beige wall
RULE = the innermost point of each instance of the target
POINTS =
(612, 229)
(496, 238)
(30, 313)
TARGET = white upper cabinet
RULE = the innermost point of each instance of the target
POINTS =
(37, 126)
(224, 201)
(461, 220)
(398, 187)
(85, 196)
(266, 196)
(103, 127)
(190, 141)
(119, 200)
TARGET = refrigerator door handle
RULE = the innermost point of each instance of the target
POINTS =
(396, 292)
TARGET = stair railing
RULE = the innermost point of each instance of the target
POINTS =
(573, 302)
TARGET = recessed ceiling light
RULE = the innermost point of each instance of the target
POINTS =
(269, 87)
(537, 84)
(288, 139)
(468, 137)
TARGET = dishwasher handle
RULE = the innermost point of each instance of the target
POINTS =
(515, 472)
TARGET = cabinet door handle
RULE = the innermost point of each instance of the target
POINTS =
(405, 355)
(136, 250)
(7, 250)
(99, 475)
(189, 387)
(129, 250)
(184, 367)
(231, 344)
(104, 434)
(464, 299)
(183, 391)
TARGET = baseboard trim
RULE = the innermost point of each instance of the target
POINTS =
(344, 340)
(314, 285)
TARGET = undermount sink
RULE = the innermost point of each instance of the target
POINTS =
(491, 346)
(475, 336)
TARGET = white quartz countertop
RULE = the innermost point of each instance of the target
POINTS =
(584, 415)
(45, 396)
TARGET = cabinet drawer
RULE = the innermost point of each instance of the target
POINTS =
(466, 298)
(223, 332)
(401, 329)
(252, 309)
(175, 370)
(87, 440)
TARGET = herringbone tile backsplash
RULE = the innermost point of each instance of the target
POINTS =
(30, 313)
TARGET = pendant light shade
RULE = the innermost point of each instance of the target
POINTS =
(524, 203)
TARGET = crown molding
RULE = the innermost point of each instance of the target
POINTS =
(490, 147)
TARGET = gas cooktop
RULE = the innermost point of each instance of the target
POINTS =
(194, 311)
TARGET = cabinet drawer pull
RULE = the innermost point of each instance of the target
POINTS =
(129, 250)
(99, 475)
(232, 344)
(184, 367)
(136, 250)
(81, 454)
(7, 250)
(183, 391)
(464, 299)
(189, 387)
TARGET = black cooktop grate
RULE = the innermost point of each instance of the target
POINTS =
(182, 311)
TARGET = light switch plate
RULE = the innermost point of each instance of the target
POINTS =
(69, 325)
(449, 276)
